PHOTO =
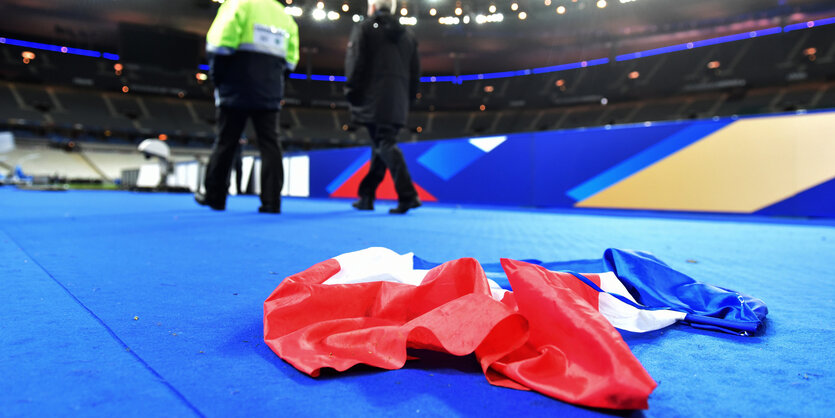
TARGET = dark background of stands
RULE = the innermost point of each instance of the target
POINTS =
(69, 96)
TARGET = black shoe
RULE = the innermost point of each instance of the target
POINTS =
(364, 204)
(203, 201)
(269, 209)
(403, 207)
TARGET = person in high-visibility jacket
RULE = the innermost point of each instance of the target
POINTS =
(250, 45)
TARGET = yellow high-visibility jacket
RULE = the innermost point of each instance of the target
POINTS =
(250, 45)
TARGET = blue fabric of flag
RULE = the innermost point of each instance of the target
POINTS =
(656, 285)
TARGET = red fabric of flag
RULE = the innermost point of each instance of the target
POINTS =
(544, 336)
(573, 352)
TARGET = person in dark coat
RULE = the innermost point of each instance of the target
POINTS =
(382, 74)
(250, 45)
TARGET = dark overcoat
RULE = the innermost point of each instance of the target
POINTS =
(382, 70)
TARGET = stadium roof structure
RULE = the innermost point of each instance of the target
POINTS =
(545, 37)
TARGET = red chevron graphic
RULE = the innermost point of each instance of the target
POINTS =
(384, 192)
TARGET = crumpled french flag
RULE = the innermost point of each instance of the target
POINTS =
(555, 332)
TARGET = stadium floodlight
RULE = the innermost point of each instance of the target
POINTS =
(319, 14)
(493, 18)
(449, 20)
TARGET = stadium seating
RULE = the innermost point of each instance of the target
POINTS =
(89, 109)
(80, 97)
(42, 160)
(11, 109)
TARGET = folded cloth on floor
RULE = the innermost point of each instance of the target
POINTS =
(553, 333)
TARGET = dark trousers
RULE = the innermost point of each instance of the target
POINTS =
(239, 169)
(231, 123)
(386, 154)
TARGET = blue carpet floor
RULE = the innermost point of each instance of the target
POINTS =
(128, 304)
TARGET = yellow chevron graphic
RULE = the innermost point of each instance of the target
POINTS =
(744, 167)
